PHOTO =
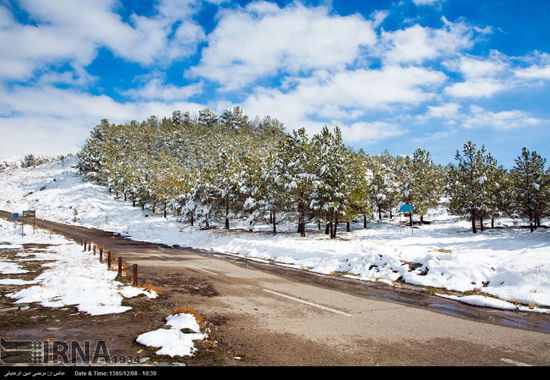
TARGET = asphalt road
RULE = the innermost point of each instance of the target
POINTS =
(283, 317)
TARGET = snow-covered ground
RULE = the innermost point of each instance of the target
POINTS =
(70, 277)
(510, 265)
(172, 340)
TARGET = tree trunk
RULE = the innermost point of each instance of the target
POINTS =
(493, 222)
(302, 229)
(327, 229)
(481, 224)
(165, 209)
(348, 227)
(302, 222)
(274, 221)
(411, 218)
(192, 219)
(364, 221)
(473, 217)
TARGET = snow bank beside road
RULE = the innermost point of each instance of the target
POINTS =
(71, 277)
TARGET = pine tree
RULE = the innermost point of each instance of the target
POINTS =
(359, 191)
(468, 183)
(530, 183)
(421, 183)
(296, 164)
(331, 188)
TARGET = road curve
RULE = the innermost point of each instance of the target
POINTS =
(280, 316)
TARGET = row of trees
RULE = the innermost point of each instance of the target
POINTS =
(228, 166)
(479, 188)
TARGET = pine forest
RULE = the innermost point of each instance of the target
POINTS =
(227, 167)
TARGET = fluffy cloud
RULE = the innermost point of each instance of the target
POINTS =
(539, 68)
(370, 132)
(503, 120)
(43, 114)
(154, 88)
(483, 76)
(72, 31)
(427, 2)
(346, 94)
(417, 43)
(265, 40)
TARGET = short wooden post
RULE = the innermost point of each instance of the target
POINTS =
(84, 246)
(89, 247)
(100, 254)
(94, 249)
(119, 267)
(135, 275)
(109, 260)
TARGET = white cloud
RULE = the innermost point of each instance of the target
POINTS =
(366, 89)
(264, 40)
(427, 2)
(346, 95)
(503, 120)
(155, 88)
(43, 114)
(483, 76)
(447, 110)
(478, 88)
(370, 132)
(417, 43)
(534, 72)
(72, 31)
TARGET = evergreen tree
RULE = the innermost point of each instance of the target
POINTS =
(468, 183)
(421, 183)
(296, 164)
(530, 183)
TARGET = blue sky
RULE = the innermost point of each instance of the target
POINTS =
(395, 75)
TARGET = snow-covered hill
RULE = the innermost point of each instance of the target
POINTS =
(503, 267)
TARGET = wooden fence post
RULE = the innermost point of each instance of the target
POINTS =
(109, 260)
(119, 267)
(135, 276)
(100, 254)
